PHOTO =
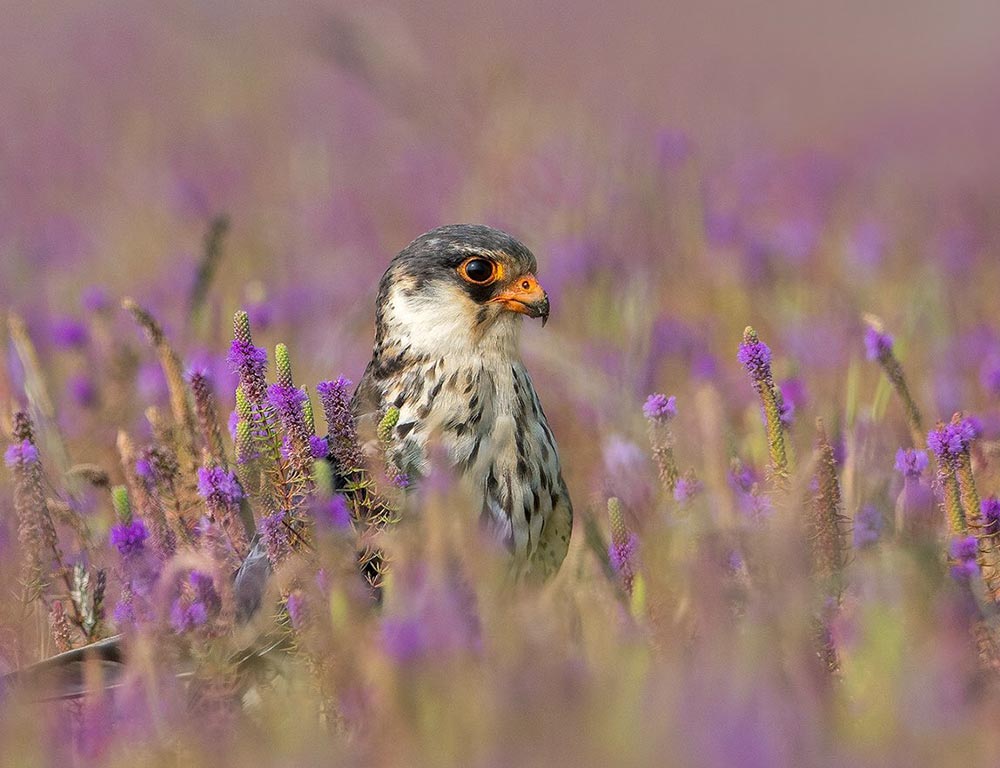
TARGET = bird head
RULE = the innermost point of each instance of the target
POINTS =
(459, 285)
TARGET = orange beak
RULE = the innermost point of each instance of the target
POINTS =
(525, 296)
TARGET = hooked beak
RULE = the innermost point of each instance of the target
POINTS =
(526, 297)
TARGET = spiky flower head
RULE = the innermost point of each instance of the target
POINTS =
(19, 454)
(878, 344)
(963, 550)
(249, 362)
(287, 403)
(624, 545)
(755, 356)
(910, 462)
(951, 441)
(659, 408)
(990, 509)
(318, 447)
(276, 536)
(388, 423)
(129, 538)
(198, 600)
(687, 488)
(216, 484)
(336, 399)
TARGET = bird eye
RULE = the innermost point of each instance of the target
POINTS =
(478, 271)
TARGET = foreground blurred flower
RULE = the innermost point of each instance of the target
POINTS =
(129, 538)
(197, 602)
(879, 347)
(659, 411)
(963, 551)
(917, 517)
(867, 526)
(755, 356)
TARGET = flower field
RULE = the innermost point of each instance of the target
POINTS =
(772, 368)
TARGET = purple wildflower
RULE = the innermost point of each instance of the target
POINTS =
(660, 408)
(686, 489)
(234, 420)
(911, 463)
(287, 403)
(755, 356)
(333, 512)
(216, 484)
(877, 343)
(404, 639)
(401, 480)
(622, 553)
(129, 538)
(24, 452)
(276, 536)
(990, 508)
(318, 447)
(197, 601)
(963, 551)
(250, 363)
(336, 399)
(951, 440)
(144, 469)
(82, 391)
(793, 395)
(868, 525)
(69, 334)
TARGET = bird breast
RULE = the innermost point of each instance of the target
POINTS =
(484, 412)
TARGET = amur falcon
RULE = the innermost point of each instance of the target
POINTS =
(446, 354)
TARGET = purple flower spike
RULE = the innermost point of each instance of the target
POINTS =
(70, 334)
(686, 489)
(250, 363)
(24, 452)
(622, 554)
(963, 551)
(755, 356)
(336, 399)
(877, 343)
(129, 538)
(990, 508)
(318, 447)
(951, 440)
(660, 408)
(215, 484)
(867, 526)
(911, 463)
(287, 402)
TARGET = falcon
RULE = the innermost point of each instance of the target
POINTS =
(448, 318)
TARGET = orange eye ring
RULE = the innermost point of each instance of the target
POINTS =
(480, 271)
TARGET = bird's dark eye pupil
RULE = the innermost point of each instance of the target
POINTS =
(479, 270)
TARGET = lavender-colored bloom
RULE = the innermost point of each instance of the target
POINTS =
(953, 439)
(660, 408)
(963, 551)
(69, 334)
(877, 343)
(24, 452)
(868, 525)
(196, 603)
(287, 403)
(276, 536)
(234, 420)
(990, 508)
(250, 363)
(401, 480)
(82, 391)
(622, 554)
(218, 485)
(336, 399)
(185, 616)
(963, 547)
(755, 356)
(318, 447)
(144, 468)
(793, 395)
(404, 639)
(129, 538)
(911, 463)
(686, 489)
(333, 512)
